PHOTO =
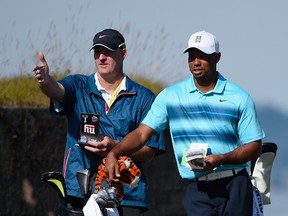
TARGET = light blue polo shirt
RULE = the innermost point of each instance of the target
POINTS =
(224, 118)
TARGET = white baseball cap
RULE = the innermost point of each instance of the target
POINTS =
(204, 41)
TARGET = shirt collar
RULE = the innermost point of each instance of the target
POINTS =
(101, 88)
(219, 88)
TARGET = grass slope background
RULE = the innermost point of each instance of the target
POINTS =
(23, 91)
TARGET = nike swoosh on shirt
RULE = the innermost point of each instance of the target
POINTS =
(222, 100)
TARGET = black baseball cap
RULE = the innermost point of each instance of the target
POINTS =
(110, 39)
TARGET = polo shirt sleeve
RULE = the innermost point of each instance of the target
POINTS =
(157, 141)
(157, 117)
(249, 127)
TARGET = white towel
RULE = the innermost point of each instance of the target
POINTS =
(261, 175)
(92, 209)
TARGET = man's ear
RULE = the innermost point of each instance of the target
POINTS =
(218, 56)
(124, 52)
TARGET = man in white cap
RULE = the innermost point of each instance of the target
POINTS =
(215, 133)
(121, 104)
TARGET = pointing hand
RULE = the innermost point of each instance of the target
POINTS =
(41, 71)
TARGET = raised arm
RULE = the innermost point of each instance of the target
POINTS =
(48, 85)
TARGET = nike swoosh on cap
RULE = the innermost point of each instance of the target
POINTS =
(101, 36)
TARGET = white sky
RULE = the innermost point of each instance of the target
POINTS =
(253, 38)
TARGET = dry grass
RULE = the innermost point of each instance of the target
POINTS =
(23, 91)
(19, 89)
